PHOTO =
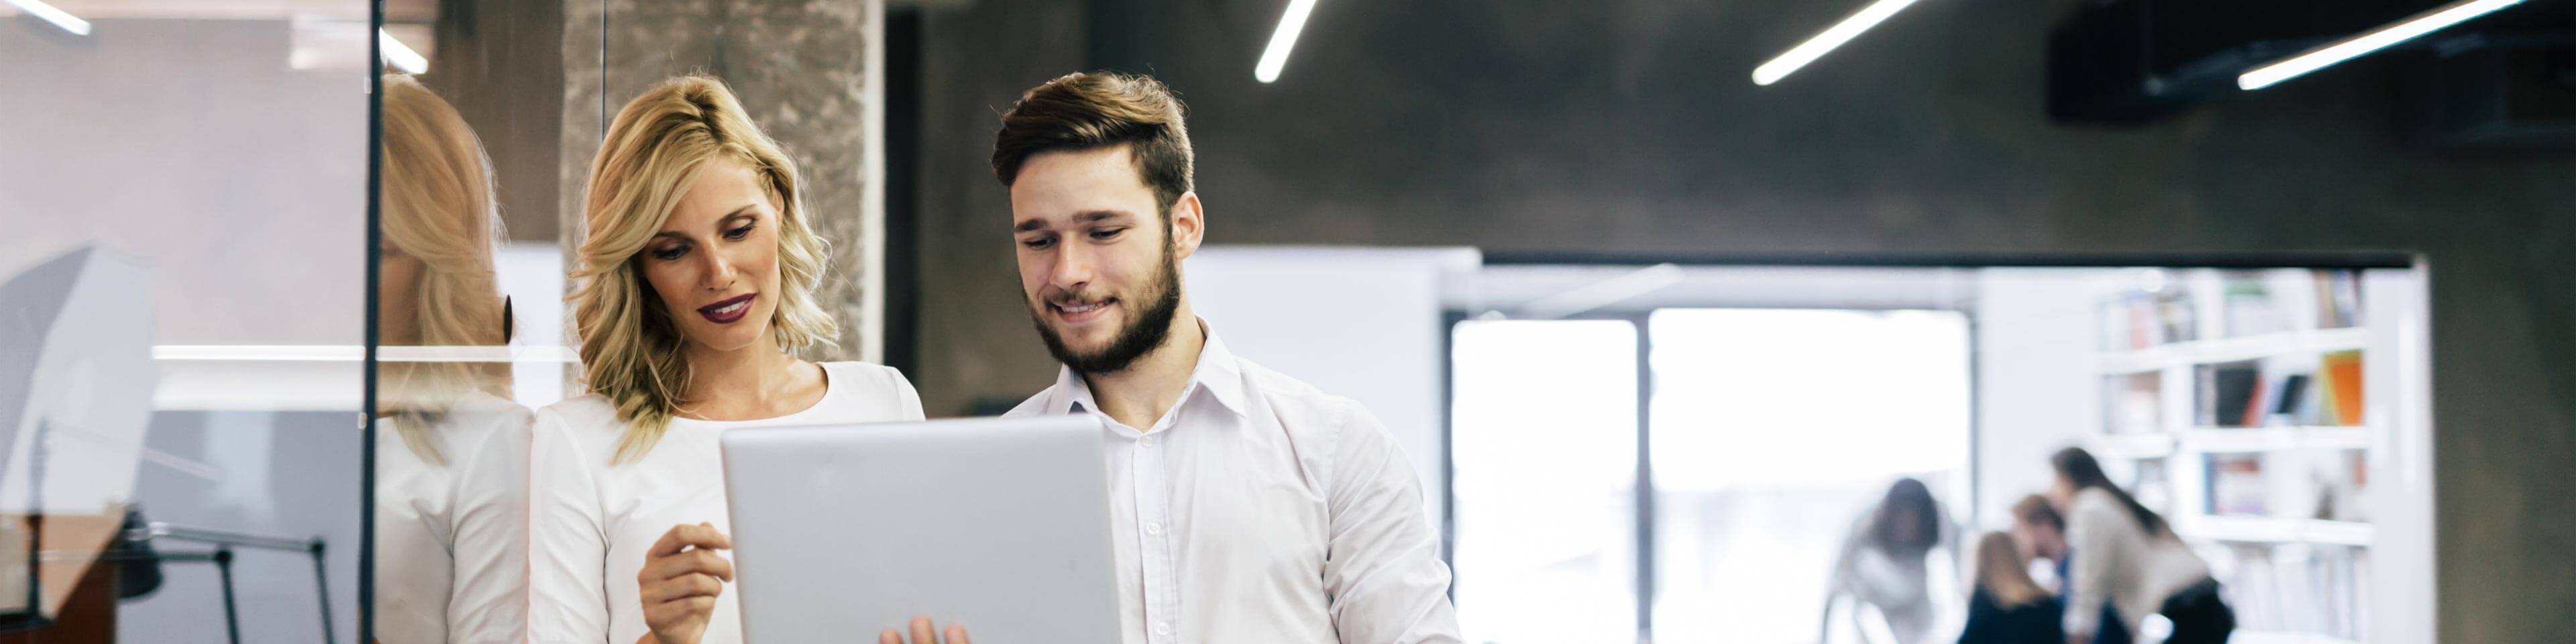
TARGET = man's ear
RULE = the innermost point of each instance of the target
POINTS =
(1189, 225)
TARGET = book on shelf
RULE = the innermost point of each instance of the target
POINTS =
(2229, 395)
(2249, 306)
(2236, 486)
(2338, 299)
(2143, 319)
(2133, 403)
(2339, 389)
(2242, 395)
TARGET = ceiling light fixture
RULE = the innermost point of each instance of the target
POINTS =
(400, 55)
(2374, 40)
(1276, 55)
(61, 19)
(1835, 36)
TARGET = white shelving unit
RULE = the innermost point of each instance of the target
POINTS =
(2393, 602)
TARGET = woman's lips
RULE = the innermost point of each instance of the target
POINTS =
(728, 311)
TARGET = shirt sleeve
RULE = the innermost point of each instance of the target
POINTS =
(489, 600)
(567, 539)
(907, 398)
(1382, 567)
(2090, 533)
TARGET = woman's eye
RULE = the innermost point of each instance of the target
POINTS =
(738, 233)
(671, 253)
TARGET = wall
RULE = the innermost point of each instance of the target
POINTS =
(809, 73)
(1630, 126)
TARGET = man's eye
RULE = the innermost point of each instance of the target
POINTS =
(1038, 243)
(1108, 234)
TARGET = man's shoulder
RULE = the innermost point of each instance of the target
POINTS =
(1035, 406)
(1295, 399)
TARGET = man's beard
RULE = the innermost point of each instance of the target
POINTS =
(1149, 325)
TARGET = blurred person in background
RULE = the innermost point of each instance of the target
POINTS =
(1883, 563)
(2007, 607)
(2131, 559)
(2041, 533)
(451, 448)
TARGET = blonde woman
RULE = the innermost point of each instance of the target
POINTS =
(451, 449)
(696, 284)
(2007, 607)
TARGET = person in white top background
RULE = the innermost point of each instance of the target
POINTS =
(2129, 556)
(1885, 564)
(696, 284)
(1246, 507)
(451, 448)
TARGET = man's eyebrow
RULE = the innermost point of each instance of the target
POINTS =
(1030, 224)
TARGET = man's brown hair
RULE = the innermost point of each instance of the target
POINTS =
(2035, 510)
(1086, 111)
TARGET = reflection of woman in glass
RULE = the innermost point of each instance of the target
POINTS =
(697, 279)
(451, 449)
(1883, 562)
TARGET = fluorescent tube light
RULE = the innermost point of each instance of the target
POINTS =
(1276, 55)
(2374, 40)
(68, 22)
(1835, 36)
(402, 57)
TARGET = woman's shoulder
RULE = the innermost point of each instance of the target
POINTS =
(581, 416)
(865, 375)
(872, 386)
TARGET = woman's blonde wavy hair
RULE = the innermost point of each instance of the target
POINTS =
(437, 205)
(630, 349)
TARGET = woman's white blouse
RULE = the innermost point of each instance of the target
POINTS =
(591, 521)
(452, 533)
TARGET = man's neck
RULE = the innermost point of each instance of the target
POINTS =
(1148, 388)
(748, 382)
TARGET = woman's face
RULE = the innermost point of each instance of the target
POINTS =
(2063, 492)
(715, 261)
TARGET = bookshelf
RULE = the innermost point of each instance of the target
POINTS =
(2233, 403)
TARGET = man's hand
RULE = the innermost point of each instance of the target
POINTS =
(681, 578)
(922, 633)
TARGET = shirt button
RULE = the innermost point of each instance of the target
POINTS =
(1162, 628)
(1155, 529)
(1148, 442)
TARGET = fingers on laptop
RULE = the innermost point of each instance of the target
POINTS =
(702, 535)
(681, 578)
(922, 633)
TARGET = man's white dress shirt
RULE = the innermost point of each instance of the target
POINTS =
(1259, 509)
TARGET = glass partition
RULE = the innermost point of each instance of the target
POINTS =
(183, 291)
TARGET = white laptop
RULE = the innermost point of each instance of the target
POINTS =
(840, 532)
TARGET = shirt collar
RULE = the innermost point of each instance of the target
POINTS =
(1218, 375)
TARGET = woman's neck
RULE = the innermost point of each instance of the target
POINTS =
(753, 382)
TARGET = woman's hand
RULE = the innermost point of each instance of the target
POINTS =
(921, 633)
(681, 578)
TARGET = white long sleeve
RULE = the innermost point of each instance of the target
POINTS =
(1382, 566)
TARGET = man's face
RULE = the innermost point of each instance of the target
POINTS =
(1099, 267)
(2040, 541)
